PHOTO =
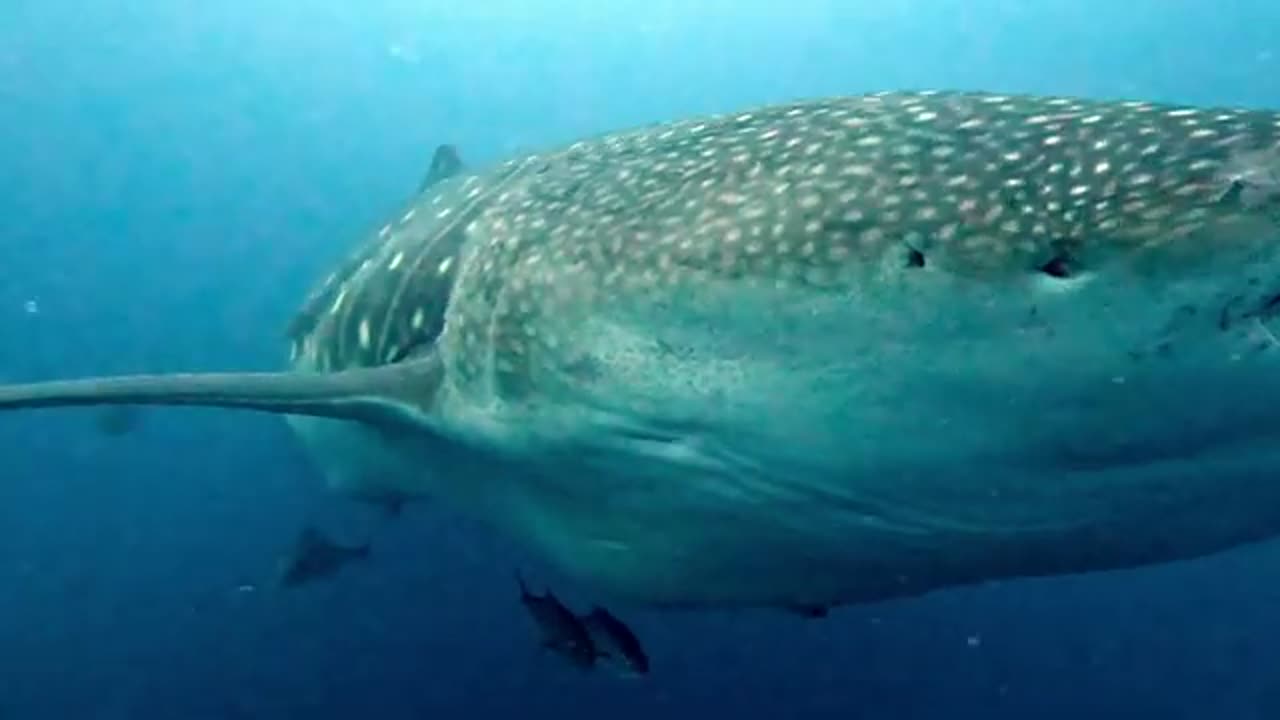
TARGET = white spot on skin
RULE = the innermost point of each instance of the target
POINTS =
(444, 265)
(364, 333)
(418, 318)
(337, 302)
(395, 261)
(409, 215)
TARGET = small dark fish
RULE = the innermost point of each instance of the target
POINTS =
(562, 632)
(616, 642)
(391, 506)
(445, 163)
(315, 557)
(117, 420)
(389, 503)
(808, 611)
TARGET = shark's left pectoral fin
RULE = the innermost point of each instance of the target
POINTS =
(388, 397)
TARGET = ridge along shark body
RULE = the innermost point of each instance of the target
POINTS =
(813, 354)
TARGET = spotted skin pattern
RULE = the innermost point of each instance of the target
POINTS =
(808, 195)
(390, 297)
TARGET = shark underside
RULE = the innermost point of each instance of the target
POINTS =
(811, 354)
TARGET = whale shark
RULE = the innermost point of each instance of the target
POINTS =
(816, 353)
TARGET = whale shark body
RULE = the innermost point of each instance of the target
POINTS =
(812, 354)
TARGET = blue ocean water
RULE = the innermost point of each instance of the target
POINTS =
(174, 176)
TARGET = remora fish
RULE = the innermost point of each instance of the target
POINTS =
(390, 504)
(616, 642)
(562, 632)
(811, 354)
(117, 420)
(315, 556)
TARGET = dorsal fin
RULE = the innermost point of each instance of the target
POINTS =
(397, 395)
(445, 163)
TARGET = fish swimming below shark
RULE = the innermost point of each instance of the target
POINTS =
(823, 352)
(117, 420)
(584, 640)
(562, 632)
(615, 642)
(316, 556)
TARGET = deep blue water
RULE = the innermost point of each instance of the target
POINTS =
(173, 177)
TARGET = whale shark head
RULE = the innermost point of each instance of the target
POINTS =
(822, 352)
